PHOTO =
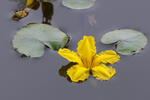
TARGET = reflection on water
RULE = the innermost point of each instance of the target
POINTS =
(21, 4)
(93, 82)
(47, 10)
(63, 72)
(27, 5)
(34, 4)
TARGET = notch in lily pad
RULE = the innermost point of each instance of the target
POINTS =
(78, 4)
(127, 41)
(32, 39)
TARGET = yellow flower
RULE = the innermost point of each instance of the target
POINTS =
(87, 59)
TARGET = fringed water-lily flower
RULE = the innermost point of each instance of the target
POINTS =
(87, 59)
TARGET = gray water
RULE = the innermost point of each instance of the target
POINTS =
(39, 79)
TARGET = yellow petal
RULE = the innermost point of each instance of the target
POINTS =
(78, 73)
(70, 55)
(87, 50)
(103, 72)
(96, 60)
(109, 56)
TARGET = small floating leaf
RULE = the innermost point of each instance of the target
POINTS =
(78, 4)
(32, 39)
(19, 15)
(127, 41)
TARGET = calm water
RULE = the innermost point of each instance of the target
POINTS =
(39, 79)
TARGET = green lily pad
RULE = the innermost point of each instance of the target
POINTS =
(32, 39)
(127, 41)
(78, 4)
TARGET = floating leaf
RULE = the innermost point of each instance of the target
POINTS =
(127, 41)
(78, 4)
(20, 14)
(32, 39)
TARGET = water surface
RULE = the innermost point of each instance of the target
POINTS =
(39, 79)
